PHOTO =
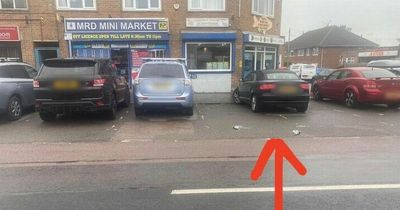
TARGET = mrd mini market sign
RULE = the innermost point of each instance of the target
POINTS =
(115, 25)
(9, 33)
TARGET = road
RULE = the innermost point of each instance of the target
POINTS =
(85, 162)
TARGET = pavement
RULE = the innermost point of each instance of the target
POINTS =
(86, 162)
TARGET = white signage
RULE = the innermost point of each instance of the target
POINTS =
(67, 36)
(207, 22)
(379, 53)
(266, 39)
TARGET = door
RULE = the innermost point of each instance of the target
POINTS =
(249, 58)
(327, 87)
(43, 53)
(340, 84)
(246, 85)
(269, 61)
(24, 84)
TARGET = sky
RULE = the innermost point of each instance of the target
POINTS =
(376, 20)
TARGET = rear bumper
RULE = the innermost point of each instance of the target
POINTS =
(89, 105)
(283, 100)
(182, 101)
(378, 99)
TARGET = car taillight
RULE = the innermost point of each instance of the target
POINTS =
(99, 82)
(188, 82)
(305, 86)
(267, 86)
(36, 84)
(134, 75)
(370, 85)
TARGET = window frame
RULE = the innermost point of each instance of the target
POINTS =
(124, 8)
(201, 9)
(26, 3)
(300, 52)
(68, 8)
(210, 70)
(315, 49)
(254, 12)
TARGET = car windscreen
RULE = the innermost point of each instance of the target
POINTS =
(377, 73)
(68, 68)
(281, 76)
(162, 71)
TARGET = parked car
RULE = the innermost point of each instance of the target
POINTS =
(304, 71)
(360, 85)
(16, 90)
(391, 65)
(163, 83)
(268, 88)
(321, 74)
(73, 85)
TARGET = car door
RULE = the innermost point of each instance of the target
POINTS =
(339, 85)
(247, 85)
(326, 86)
(24, 84)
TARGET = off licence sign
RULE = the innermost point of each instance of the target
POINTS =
(9, 33)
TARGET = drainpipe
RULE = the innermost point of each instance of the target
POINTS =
(240, 8)
(322, 57)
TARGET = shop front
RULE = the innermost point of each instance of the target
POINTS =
(10, 45)
(260, 52)
(210, 55)
(124, 40)
(379, 54)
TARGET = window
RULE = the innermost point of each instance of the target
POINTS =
(334, 75)
(282, 76)
(378, 73)
(264, 7)
(13, 4)
(345, 75)
(315, 51)
(76, 4)
(308, 51)
(206, 5)
(154, 5)
(250, 77)
(209, 56)
(300, 52)
(31, 71)
(291, 53)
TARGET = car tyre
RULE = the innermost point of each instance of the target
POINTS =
(138, 111)
(350, 99)
(236, 96)
(255, 104)
(188, 111)
(302, 108)
(127, 100)
(111, 113)
(316, 94)
(14, 109)
(48, 116)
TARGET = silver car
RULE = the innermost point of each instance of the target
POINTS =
(16, 85)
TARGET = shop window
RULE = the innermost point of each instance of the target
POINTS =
(76, 4)
(13, 4)
(300, 52)
(209, 56)
(206, 5)
(315, 51)
(154, 5)
(264, 7)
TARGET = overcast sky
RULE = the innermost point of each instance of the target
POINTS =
(376, 20)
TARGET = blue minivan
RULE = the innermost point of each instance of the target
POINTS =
(163, 83)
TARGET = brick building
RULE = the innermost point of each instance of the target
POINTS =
(221, 39)
(324, 46)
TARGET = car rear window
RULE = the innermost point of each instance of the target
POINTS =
(281, 76)
(68, 68)
(162, 71)
(377, 73)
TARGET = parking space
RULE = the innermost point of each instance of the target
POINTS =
(210, 121)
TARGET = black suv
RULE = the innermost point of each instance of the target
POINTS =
(73, 85)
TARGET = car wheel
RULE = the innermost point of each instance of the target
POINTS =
(112, 112)
(188, 111)
(127, 100)
(14, 109)
(236, 96)
(302, 108)
(138, 111)
(255, 104)
(48, 116)
(393, 106)
(350, 99)
(317, 94)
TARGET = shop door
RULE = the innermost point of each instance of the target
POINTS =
(42, 54)
(269, 61)
(248, 63)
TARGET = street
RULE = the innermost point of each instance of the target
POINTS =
(86, 162)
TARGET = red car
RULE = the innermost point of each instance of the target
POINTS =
(355, 86)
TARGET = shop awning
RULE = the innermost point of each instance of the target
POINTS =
(209, 36)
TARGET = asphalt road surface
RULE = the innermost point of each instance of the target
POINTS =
(167, 161)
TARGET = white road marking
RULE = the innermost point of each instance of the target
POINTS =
(286, 189)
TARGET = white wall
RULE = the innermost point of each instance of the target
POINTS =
(212, 83)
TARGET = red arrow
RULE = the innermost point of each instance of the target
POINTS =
(281, 151)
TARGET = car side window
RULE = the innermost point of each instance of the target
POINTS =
(31, 71)
(345, 75)
(334, 75)
(18, 71)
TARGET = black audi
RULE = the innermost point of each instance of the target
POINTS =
(266, 88)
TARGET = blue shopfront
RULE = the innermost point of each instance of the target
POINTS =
(124, 40)
(212, 56)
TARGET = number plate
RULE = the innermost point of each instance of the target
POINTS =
(287, 89)
(66, 85)
(161, 86)
(393, 95)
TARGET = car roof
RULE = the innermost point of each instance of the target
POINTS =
(77, 59)
(276, 71)
(385, 63)
(360, 68)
